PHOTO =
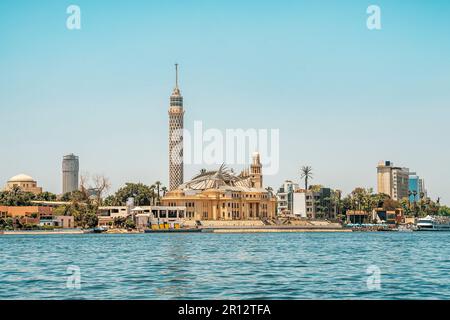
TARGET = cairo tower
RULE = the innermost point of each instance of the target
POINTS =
(176, 114)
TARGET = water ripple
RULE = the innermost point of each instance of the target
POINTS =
(226, 266)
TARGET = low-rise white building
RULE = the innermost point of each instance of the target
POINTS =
(160, 215)
(315, 204)
(285, 197)
(143, 216)
(299, 205)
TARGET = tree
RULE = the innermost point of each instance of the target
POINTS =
(414, 194)
(337, 202)
(84, 203)
(316, 187)
(111, 200)
(45, 196)
(2, 224)
(363, 200)
(390, 205)
(306, 174)
(444, 211)
(84, 189)
(380, 198)
(119, 222)
(94, 188)
(84, 215)
(101, 185)
(76, 195)
(16, 197)
(63, 210)
(90, 220)
(153, 195)
(164, 191)
(158, 185)
(143, 195)
(406, 206)
(129, 224)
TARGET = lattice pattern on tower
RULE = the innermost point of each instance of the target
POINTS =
(176, 115)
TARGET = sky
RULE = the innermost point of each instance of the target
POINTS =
(342, 96)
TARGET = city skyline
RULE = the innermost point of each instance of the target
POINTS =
(106, 102)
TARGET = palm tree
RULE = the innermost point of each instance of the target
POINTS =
(152, 189)
(336, 202)
(306, 173)
(409, 198)
(415, 195)
(164, 191)
(158, 185)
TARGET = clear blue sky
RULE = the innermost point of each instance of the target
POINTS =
(342, 96)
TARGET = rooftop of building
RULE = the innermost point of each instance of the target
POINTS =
(70, 156)
(21, 178)
(221, 179)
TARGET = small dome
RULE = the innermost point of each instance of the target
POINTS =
(21, 178)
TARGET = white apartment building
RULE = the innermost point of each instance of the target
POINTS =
(285, 197)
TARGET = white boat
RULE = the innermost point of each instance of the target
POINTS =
(431, 223)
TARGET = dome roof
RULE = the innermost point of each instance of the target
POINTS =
(21, 178)
(223, 179)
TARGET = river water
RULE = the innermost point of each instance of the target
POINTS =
(391, 265)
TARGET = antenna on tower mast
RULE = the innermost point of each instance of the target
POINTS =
(176, 75)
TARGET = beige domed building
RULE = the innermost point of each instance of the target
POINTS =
(25, 183)
(223, 195)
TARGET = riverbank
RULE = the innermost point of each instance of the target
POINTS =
(273, 229)
(269, 229)
(220, 227)
(42, 232)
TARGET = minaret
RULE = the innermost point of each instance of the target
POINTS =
(255, 171)
(176, 114)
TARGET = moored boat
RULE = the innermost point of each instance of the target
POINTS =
(99, 230)
(433, 223)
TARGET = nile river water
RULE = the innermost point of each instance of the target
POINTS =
(226, 266)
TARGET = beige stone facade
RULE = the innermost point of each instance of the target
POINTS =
(25, 183)
(220, 204)
(393, 181)
(221, 195)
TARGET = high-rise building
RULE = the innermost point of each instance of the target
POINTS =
(416, 187)
(176, 114)
(70, 170)
(393, 181)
